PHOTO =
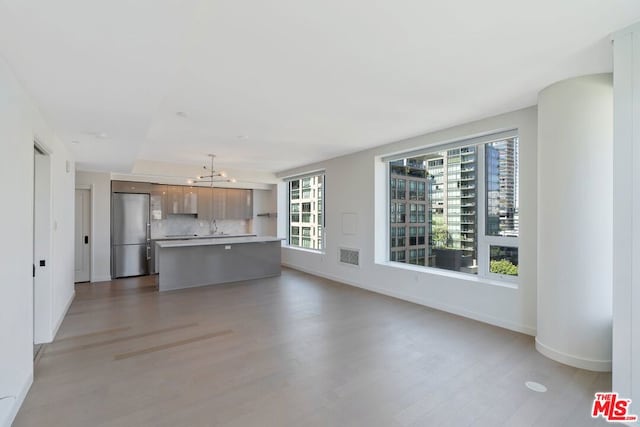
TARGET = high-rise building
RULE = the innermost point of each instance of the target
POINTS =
(502, 188)
(305, 211)
(454, 202)
(410, 215)
(434, 204)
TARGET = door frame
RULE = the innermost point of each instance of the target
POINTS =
(91, 223)
(42, 247)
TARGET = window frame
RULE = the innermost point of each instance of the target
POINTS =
(483, 241)
(317, 210)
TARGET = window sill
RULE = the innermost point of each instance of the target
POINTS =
(450, 274)
(298, 248)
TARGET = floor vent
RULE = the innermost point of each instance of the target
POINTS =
(350, 256)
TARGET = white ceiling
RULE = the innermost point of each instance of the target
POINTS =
(269, 85)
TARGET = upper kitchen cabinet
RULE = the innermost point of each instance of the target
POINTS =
(239, 204)
(131, 187)
(159, 202)
(175, 199)
(205, 200)
(182, 200)
(190, 195)
(218, 203)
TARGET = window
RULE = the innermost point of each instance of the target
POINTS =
(295, 212)
(294, 190)
(460, 204)
(306, 212)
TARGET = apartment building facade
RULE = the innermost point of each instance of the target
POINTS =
(306, 212)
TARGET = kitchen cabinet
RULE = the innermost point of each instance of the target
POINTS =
(247, 204)
(205, 199)
(228, 203)
(239, 204)
(175, 199)
(158, 202)
(182, 200)
(218, 203)
(130, 187)
(190, 197)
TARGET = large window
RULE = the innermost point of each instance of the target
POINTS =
(306, 212)
(457, 206)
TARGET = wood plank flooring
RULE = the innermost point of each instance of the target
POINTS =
(294, 350)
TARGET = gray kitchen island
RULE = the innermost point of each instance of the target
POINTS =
(190, 263)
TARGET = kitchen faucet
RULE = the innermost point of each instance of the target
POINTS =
(213, 227)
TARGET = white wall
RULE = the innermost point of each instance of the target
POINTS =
(264, 201)
(575, 158)
(100, 184)
(626, 216)
(350, 189)
(20, 124)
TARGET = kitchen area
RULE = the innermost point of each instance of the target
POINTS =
(192, 235)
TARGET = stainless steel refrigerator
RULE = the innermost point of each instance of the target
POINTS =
(130, 235)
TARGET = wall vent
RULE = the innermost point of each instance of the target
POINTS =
(350, 256)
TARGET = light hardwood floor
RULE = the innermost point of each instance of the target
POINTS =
(294, 350)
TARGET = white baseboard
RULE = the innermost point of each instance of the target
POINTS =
(572, 360)
(9, 410)
(480, 317)
(63, 315)
(100, 278)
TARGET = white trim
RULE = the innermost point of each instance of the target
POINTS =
(451, 274)
(62, 316)
(573, 360)
(101, 279)
(483, 241)
(309, 174)
(485, 138)
(17, 402)
(524, 329)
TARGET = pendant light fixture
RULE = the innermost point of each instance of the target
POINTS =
(211, 175)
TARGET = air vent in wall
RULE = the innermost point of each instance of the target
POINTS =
(350, 256)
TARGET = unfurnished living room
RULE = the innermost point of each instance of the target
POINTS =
(337, 213)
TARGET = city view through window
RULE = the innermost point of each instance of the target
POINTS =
(306, 209)
(435, 210)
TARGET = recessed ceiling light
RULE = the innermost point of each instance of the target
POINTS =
(537, 387)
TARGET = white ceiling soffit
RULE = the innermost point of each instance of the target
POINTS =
(270, 85)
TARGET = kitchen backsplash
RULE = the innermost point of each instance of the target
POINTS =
(189, 224)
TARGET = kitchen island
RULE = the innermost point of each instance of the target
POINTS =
(200, 262)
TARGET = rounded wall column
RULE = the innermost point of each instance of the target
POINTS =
(575, 214)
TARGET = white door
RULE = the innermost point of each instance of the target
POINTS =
(83, 236)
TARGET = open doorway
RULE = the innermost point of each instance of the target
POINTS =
(41, 247)
(82, 237)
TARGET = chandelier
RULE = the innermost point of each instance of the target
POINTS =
(211, 175)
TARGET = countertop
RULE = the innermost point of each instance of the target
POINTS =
(194, 236)
(217, 241)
